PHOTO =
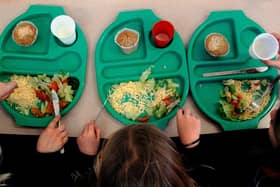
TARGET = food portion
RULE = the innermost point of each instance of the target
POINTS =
(33, 93)
(127, 40)
(216, 44)
(144, 99)
(25, 33)
(237, 96)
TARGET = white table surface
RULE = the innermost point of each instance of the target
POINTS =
(94, 16)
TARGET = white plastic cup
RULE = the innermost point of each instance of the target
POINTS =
(264, 47)
(63, 27)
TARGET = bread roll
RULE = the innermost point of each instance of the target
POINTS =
(25, 33)
(216, 45)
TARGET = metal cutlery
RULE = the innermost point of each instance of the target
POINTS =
(239, 71)
(101, 109)
(256, 103)
(173, 105)
(55, 101)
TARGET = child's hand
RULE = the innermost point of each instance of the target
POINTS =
(6, 89)
(89, 139)
(188, 127)
(52, 138)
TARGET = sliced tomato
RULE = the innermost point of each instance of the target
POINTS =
(37, 112)
(65, 81)
(49, 108)
(257, 83)
(239, 96)
(62, 104)
(42, 95)
(54, 86)
(167, 101)
(235, 103)
(234, 113)
(144, 119)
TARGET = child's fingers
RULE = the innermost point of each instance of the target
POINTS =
(179, 114)
(97, 132)
(53, 123)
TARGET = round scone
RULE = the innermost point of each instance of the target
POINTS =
(25, 33)
(216, 44)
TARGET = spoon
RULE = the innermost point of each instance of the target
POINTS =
(256, 103)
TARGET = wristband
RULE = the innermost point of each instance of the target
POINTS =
(192, 143)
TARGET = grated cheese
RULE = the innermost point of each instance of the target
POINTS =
(24, 95)
(134, 98)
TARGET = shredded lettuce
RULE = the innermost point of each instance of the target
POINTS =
(237, 96)
(147, 97)
(42, 83)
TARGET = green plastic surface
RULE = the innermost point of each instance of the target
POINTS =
(112, 66)
(46, 56)
(240, 32)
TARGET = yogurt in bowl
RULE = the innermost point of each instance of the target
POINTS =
(127, 39)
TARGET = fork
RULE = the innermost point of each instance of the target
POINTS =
(256, 103)
(173, 105)
(101, 108)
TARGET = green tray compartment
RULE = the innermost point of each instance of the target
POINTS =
(112, 66)
(46, 56)
(240, 32)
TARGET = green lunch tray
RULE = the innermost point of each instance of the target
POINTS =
(46, 56)
(112, 66)
(240, 32)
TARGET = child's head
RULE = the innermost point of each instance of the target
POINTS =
(140, 155)
(274, 129)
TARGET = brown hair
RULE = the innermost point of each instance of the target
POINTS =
(140, 155)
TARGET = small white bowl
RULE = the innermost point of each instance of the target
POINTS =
(127, 44)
